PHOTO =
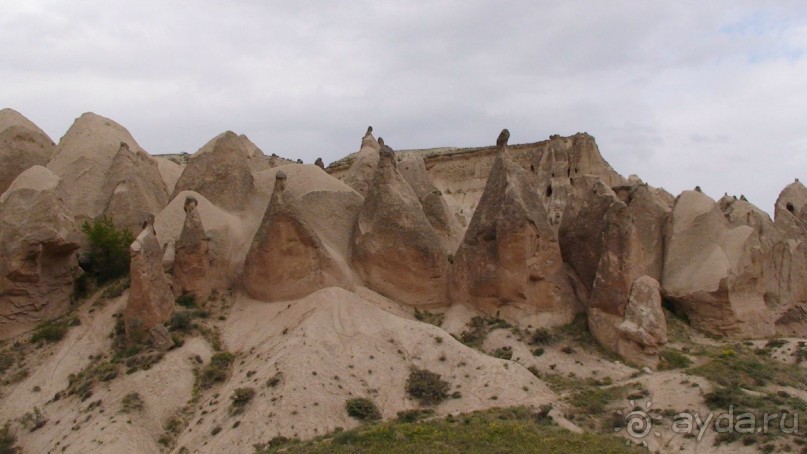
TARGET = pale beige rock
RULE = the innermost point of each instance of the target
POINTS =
(151, 302)
(712, 270)
(220, 171)
(509, 261)
(38, 240)
(395, 250)
(287, 258)
(650, 211)
(413, 169)
(789, 210)
(361, 173)
(170, 171)
(22, 145)
(106, 172)
(191, 260)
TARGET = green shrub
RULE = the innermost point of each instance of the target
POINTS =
(50, 331)
(186, 300)
(505, 352)
(33, 420)
(431, 318)
(427, 387)
(216, 371)
(109, 249)
(415, 414)
(240, 398)
(672, 359)
(181, 321)
(131, 402)
(541, 336)
(8, 440)
(362, 409)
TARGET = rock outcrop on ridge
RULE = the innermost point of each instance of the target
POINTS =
(151, 302)
(395, 249)
(22, 145)
(288, 259)
(105, 172)
(192, 262)
(509, 262)
(361, 173)
(38, 240)
(220, 171)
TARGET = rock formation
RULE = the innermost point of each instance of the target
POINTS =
(220, 171)
(509, 261)
(413, 169)
(287, 259)
(319, 163)
(396, 250)
(151, 302)
(361, 172)
(191, 261)
(38, 240)
(712, 270)
(105, 171)
(22, 145)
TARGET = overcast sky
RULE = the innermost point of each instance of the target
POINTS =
(682, 93)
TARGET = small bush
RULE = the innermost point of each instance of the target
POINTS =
(431, 318)
(240, 398)
(672, 359)
(33, 420)
(414, 415)
(6, 361)
(505, 352)
(186, 300)
(117, 288)
(427, 387)
(275, 380)
(109, 249)
(131, 402)
(541, 336)
(181, 321)
(537, 351)
(216, 371)
(362, 409)
(50, 331)
(8, 440)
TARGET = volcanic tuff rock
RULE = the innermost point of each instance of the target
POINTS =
(413, 169)
(191, 262)
(287, 258)
(220, 171)
(106, 172)
(509, 261)
(151, 302)
(38, 240)
(22, 145)
(712, 270)
(396, 250)
(361, 173)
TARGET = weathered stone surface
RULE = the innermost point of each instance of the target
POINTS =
(395, 250)
(220, 171)
(151, 302)
(288, 259)
(136, 187)
(712, 270)
(22, 145)
(509, 260)
(319, 163)
(191, 262)
(38, 240)
(413, 169)
(105, 171)
(161, 338)
(650, 212)
(361, 173)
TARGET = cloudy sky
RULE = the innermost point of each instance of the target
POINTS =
(682, 93)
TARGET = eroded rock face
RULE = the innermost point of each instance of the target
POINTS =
(151, 302)
(288, 259)
(22, 145)
(361, 173)
(220, 171)
(712, 270)
(510, 260)
(191, 262)
(395, 249)
(105, 171)
(650, 212)
(38, 240)
(413, 169)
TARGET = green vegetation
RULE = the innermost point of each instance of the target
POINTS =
(427, 387)
(736, 366)
(505, 352)
(673, 359)
(131, 402)
(509, 430)
(216, 371)
(186, 300)
(8, 440)
(415, 414)
(593, 401)
(109, 249)
(81, 384)
(240, 398)
(52, 331)
(33, 420)
(431, 318)
(362, 409)
(478, 330)
(542, 336)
